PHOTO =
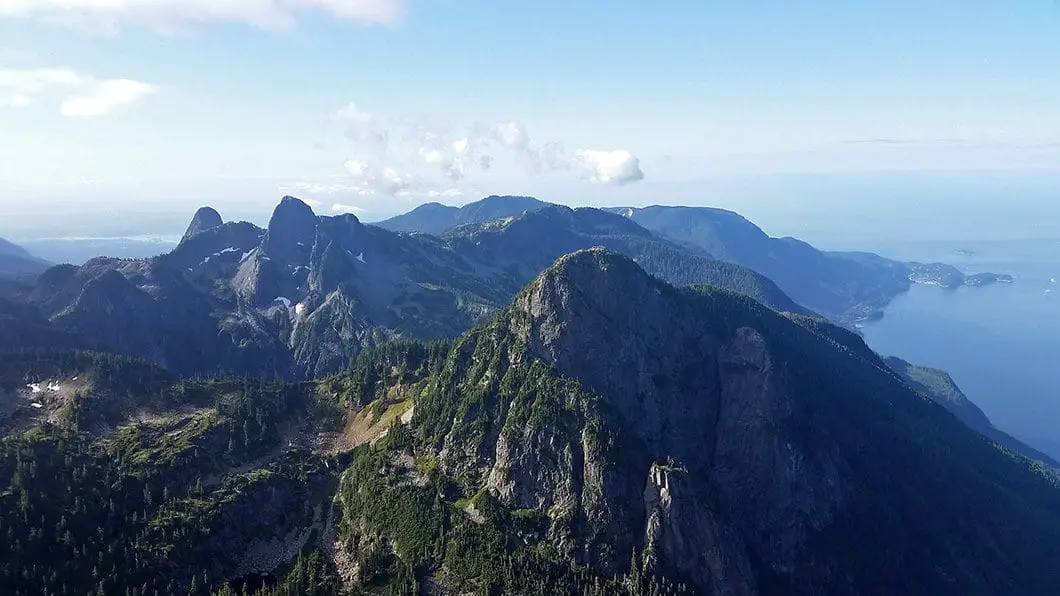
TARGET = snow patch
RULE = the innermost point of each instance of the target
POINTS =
(286, 302)
(54, 387)
(229, 249)
(299, 309)
(245, 255)
(629, 213)
(37, 405)
(34, 387)
(359, 257)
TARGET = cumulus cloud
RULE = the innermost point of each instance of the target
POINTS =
(170, 16)
(617, 167)
(83, 95)
(428, 158)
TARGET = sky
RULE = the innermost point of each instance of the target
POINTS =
(374, 106)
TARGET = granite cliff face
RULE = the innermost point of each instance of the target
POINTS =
(701, 402)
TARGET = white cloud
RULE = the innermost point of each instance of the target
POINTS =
(84, 96)
(426, 157)
(341, 208)
(104, 97)
(169, 16)
(609, 167)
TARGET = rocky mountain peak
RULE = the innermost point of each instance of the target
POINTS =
(597, 316)
(205, 218)
(291, 231)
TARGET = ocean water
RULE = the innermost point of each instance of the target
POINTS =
(1001, 343)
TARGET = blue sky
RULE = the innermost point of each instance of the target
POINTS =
(241, 100)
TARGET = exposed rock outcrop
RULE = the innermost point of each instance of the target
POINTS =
(205, 218)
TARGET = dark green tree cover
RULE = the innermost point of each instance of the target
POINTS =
(112, 514)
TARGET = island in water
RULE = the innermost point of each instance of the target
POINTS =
(948, 276)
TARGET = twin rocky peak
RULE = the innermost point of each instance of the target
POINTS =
(299, 252)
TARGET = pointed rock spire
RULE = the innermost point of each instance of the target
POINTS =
(205, 218)
(292, 230)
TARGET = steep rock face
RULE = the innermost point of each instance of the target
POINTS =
(256, 281)
(292, 229)
(205, 218)
(697, 546)
(715, 404)
(727, 446)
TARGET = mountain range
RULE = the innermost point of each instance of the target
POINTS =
(844, 286)
(528, 399)
(304, 296)
(603, 433)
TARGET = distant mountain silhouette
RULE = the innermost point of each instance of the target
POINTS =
(17, 262)
(435, 218)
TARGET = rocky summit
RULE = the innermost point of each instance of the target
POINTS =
(205, 218)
